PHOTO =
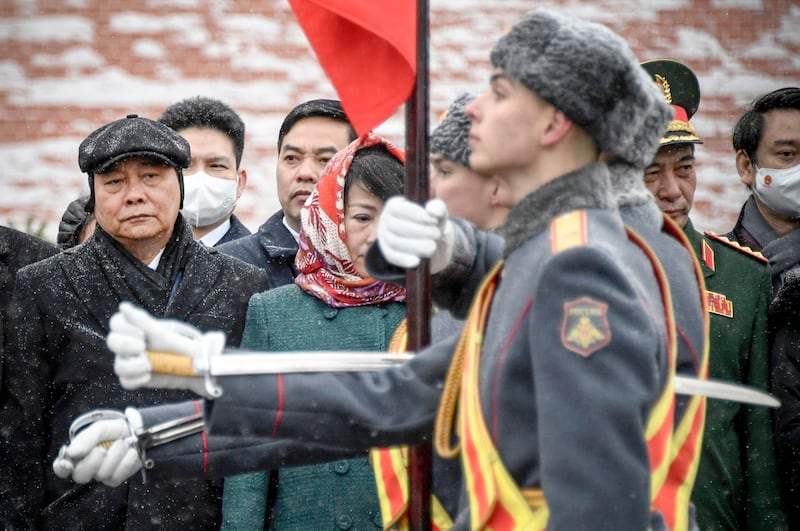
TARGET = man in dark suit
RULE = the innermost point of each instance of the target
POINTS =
(214, 180)
(309, 136)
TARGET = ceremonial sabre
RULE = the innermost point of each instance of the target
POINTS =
(685, 385)
(241, 363)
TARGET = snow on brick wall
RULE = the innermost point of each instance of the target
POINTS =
(69, 66)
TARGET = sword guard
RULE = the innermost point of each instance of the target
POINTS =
(213, 344)
(167, 432)
(212, 388)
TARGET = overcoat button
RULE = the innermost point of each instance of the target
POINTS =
(344, 522)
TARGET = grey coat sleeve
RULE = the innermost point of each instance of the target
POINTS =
(474, 254)
(593, 406)
(217, 456)
(264, 422)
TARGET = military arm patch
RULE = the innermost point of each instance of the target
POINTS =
(584, 329)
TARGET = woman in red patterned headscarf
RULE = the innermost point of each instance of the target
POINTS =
(333, 305)
(339, 222)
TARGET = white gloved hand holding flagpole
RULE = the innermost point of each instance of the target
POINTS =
(408, 232)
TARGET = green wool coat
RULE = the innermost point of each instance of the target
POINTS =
(335, 495)
(737, 484)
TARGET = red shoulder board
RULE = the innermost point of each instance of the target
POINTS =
(736, 245)
(708, 256)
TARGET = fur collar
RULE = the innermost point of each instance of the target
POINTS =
(587, 187)
(627, 184)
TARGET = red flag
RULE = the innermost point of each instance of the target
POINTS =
(367, 48)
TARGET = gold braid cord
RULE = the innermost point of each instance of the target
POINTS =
(473, 329)
(447, 406)
(680, 125)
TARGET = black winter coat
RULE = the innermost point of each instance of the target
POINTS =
(58, 367)
(17, 249)
(236, 231)
(784, 322)
(272, 248)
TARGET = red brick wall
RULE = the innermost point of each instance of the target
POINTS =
(67, 67)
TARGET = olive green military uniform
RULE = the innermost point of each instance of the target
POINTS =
(737, 483)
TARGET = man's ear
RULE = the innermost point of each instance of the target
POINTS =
(501, 195)
(557, 128)
(746, 168)
(242, 183)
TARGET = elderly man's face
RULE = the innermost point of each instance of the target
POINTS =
(672, 179)
(137, 201)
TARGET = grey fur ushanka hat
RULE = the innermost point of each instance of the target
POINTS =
(450, 137)
(590, 74)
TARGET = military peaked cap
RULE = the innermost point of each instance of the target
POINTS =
(681, 90)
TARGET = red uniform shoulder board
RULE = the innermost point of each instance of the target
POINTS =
(708, 256)
(736, 245)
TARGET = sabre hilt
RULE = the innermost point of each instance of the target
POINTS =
(171, 363)
(195, 365)
(67, 464)
(141, 439)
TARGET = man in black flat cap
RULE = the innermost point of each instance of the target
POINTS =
(57, 363)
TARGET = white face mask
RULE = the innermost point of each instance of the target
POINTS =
(207, 199)
(779, 190)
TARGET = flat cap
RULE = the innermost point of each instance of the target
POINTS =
(681, 89)
(130, 137)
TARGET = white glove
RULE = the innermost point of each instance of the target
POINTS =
(133, 332)
(105, 450)
(408, 232)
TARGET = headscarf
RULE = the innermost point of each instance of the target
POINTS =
(324, 263)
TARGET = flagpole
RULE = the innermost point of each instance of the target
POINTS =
(418, 281)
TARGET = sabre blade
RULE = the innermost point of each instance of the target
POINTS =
(242, 363)
(239, 362)
(685, 385)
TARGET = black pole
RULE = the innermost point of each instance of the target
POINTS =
(418, 281)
